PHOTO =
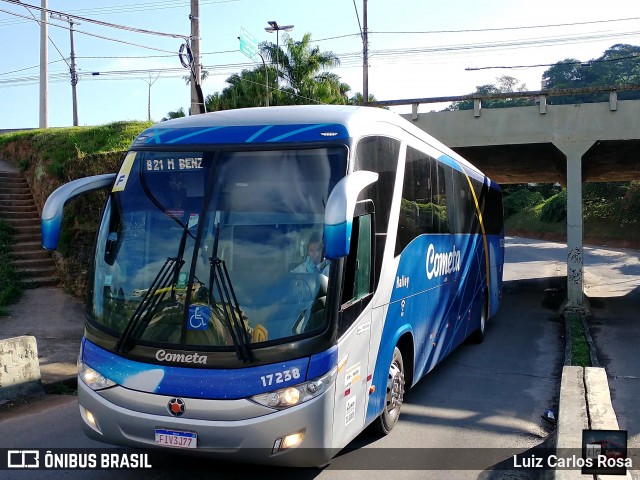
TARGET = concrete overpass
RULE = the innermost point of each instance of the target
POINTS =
(569, 144)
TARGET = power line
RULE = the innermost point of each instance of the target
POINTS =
(87, 33)
(523, 27)
(48, 37)
(358, 17)
(135, 7)
(99, 22)
(31, 68)
(557, 63)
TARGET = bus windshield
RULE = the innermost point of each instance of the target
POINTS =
(215, 249)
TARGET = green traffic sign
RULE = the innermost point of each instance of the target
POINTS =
(248, 44)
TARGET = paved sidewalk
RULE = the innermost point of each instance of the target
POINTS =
(56, 319)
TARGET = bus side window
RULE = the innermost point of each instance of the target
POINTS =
(418, 212)
(379, 154)
(357, 283)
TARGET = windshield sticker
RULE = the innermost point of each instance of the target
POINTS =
(352, 375)
(350, 414)
(193, 220)
(123, 174)
(173, 164)
(199, 316)
(175, 213)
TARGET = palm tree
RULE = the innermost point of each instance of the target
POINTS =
(246, 89)
(300, 71)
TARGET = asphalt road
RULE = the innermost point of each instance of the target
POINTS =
(488, 396)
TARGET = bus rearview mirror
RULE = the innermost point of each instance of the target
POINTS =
(338, 217)
(51, 221)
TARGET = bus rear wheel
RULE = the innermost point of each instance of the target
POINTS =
(394, 395)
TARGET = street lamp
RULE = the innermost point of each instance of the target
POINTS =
(274, 27)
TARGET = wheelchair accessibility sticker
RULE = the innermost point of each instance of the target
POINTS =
(199, 316)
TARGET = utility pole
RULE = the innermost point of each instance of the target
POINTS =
(150, 82)
(72, 67)
(44, 65)
(197, 99)
(74, 77)
(365, 56)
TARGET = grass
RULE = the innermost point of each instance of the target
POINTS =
(11, 286)
(579, 346)
(59, 145)
(528, 222)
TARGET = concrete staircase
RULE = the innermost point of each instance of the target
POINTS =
(18, 209)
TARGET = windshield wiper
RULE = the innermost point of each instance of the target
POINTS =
(219, 277)
(166, 278)
(147, 307)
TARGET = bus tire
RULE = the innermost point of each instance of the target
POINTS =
(394, 395)
(478, 335)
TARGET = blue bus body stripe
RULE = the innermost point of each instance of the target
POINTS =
(222, 384)
(193, 134)
(258, 133)
(217, 135)
(296, 132)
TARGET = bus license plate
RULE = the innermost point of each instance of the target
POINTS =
(173, 438)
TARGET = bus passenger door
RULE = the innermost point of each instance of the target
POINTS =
(352, 384)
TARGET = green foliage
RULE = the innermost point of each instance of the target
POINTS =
(554, 209)
(579, 347)
(521, 200)
(630, 205)
(295, 74)
(618, 65)
(611, 212)
(505, 84)
(57, 146)
(11, 286)
(175, 114)
(600, 200)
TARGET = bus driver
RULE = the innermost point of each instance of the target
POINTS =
(315, 261)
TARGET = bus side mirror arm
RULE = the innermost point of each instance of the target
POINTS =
(52, 212)
(338, 218)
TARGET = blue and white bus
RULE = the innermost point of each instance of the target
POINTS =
(207, 332)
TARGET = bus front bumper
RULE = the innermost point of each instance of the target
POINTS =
(254, 440)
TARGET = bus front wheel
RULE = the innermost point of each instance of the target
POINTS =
(478, 335)
(394, 395)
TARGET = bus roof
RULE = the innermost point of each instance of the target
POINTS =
(296, 123)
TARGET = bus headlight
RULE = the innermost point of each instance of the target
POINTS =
(297, 394)
(94, 380)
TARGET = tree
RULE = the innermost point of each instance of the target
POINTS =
(618, 65)
(358, 99)
(174, 114)
(300, 71)
(505, 84)
(297, 75)
(246, 89)
(204, 74)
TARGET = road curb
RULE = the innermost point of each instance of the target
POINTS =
(19, 368)
(585, 403)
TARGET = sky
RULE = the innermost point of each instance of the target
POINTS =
(417, 48)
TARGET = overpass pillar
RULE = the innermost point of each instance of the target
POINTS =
(575, 266)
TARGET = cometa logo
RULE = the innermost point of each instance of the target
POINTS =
(163, 356)
(442, 263)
